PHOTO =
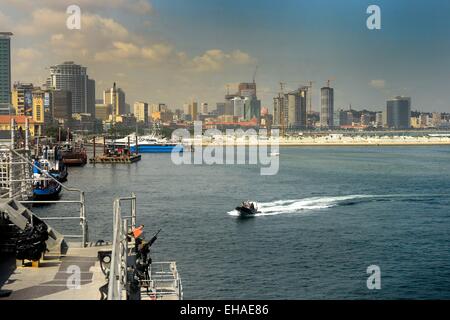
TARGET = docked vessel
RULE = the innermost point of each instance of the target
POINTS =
(52, 162)
(148, 144)
(248, 209)
(73, 154)
(44, 188)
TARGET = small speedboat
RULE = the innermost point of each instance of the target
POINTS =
(248, 209)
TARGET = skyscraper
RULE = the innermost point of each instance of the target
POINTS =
(73, 77)
(252, 108)
(398, 113)
(296, 108)
(116, 98)
(204, 108)
(140, 111)
(5, 72)
(290, 109)
(327, 107)
(238, 107)
(61, 106)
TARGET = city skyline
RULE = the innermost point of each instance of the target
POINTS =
(159, 55)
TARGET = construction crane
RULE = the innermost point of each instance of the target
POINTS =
(254, 74)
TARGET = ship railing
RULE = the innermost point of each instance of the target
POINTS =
(164, 281)
(16, 181)
(121, 255)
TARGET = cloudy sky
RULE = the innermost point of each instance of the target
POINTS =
(173, 51)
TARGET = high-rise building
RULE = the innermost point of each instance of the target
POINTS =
(220, 108)
(103, 111)
(140, 111)
(22, 98)
(296, 108)
(379, 119)
(61, 103)
(252, 108)
(5, 72)
(238, 107)
(247, 89)
(191, 110)
(279, 114)
(204, 108)
(398, 113)
(116, 98)
(327, 107)
(365, 119)
(91, 98)
(290, 109)
(41, 106)
(73, 77)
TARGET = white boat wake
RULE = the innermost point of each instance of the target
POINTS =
(301, 205)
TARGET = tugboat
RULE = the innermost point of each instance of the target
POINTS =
(44, 188)
(51, 161)
(248, 209)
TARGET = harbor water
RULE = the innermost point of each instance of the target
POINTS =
(329, 214)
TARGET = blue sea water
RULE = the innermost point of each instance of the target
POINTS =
(328, 214)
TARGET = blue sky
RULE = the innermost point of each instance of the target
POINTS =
(176, 50)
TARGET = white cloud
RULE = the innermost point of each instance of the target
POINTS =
(216, 60)
(134, 53)
(28, 54)
(378, 84)
(141, 7)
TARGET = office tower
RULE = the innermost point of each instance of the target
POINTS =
(61, 103)
(5, 72)
(238, 104)
(22, 99)
(72, 77)
(220, 108)
(365, 119)
(103, 111)
(252, 108)
(379, 119)
(290, 109)
(327, 107)
(91, 98)
(204, 109)
(140, 111)
(398, 113)
(296, 108)
(194, 111)
(116, 98)
(278, 111)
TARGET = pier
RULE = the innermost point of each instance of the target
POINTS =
(115, 155)
(40, 262)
